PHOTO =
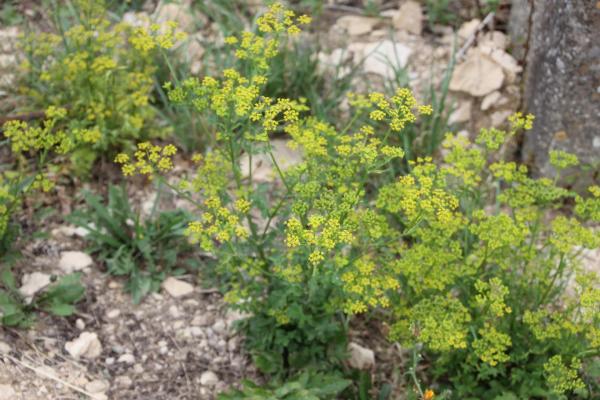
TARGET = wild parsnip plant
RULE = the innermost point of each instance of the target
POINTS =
(101, 73)
(296, 255)
(496, 295)
(145, 250)
(34, 147)
(471, 256)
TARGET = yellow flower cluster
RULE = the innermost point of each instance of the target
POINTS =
(589, 208)
(279, 19)
(366, 287)
(561, 159)
(491, 345)
(148, 159)
(440, 322)
(464, 161)
(397, 111)
(156, 36)
(102, 71)
(219, 224)
(26, 139)
(561, 377)
(322, 235)
(491, 297)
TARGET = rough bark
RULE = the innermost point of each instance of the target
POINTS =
(562, 83)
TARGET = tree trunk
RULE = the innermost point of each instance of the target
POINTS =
(562, 82)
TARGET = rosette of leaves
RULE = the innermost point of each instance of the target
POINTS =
(145, 251)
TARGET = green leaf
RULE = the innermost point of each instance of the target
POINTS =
(61, 309)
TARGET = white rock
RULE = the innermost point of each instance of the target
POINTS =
(9, 37)
(205, 319)
(509, 65)
(356, 25)
(4, 348)
(127, 359)
(193, 53)
(112, 314)
(86, 345)
(177, 288)
(8, 61)
(360, 357)
(71, 261)
(478, 75)
(137, 19)
(383, 58)
(79, 324)
(235, 315)
(262, 165)
(97, 386)
(123, 381)
(499, 117)
(468, 28)
(33, 283)
(461, 114)
(70, 231)
(220, 326)
(494, 39)
(7, 392)
(209, 378)
(409, 18)
(490, 100)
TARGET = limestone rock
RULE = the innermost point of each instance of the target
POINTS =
(97, 386)
(384, 58)
(355, 25)
(262, 165)
(468, 28)
(71, 261)
(137, 19)
(33, 283)
(177, 288)
(361, 357)
(461, 114)
(494, 39)
(499, 118)
(209, 378)
(127, 359)
(4, 348)
(409, 18)
(490, 100)
(7, 392)
(478, 75)
(86, 345)
(508, 64)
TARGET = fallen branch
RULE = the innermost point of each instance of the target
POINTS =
(47, 375)
(471, 39)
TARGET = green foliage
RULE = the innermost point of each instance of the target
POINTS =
(9, 14)
(101, 73)
(145, 251)
(490, 292)
(481, 273)
(439, 12)
(307, 386)
(296, 255)
(58, 299)
(34, 149)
